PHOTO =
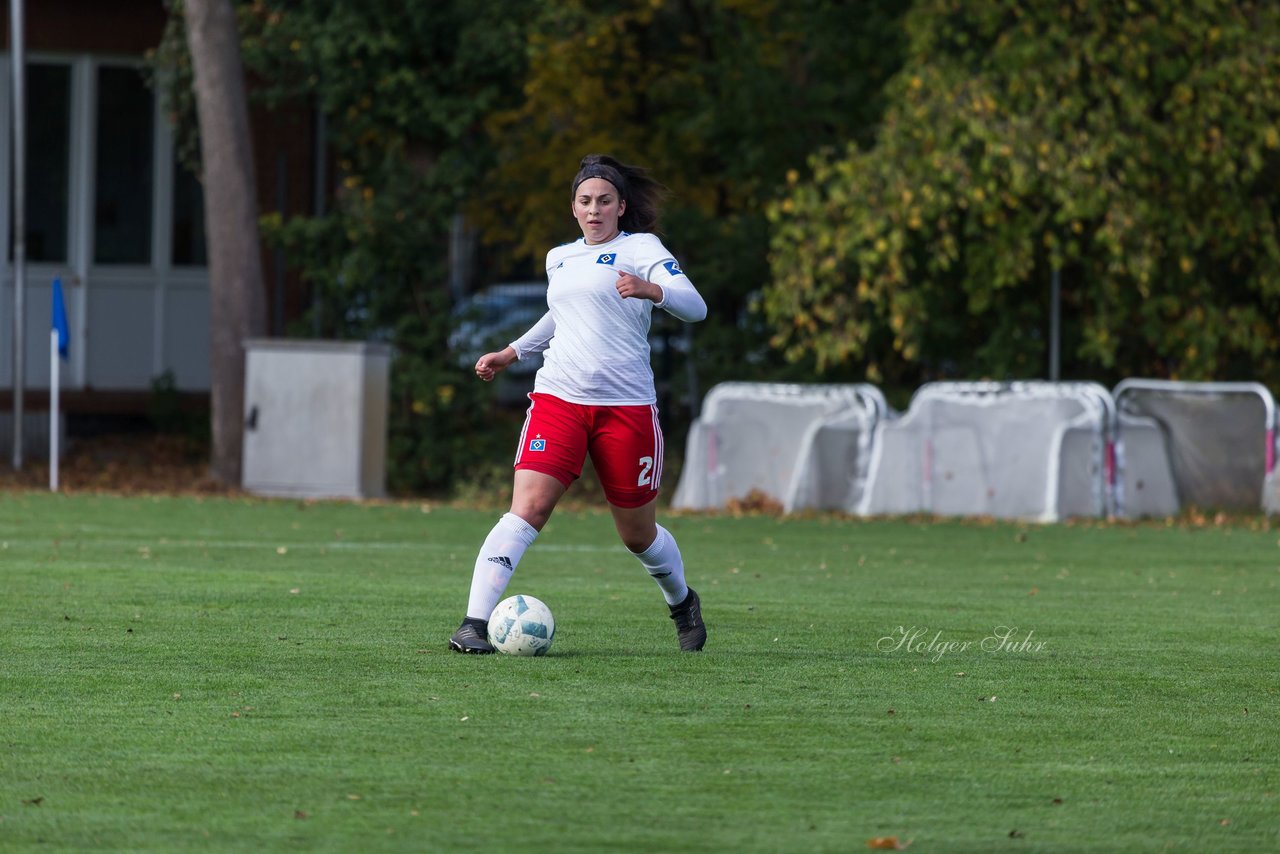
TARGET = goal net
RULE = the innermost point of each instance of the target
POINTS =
(803, 446)
(1023, 450)
(1204, 445)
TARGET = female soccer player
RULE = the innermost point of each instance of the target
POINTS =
(594, 393)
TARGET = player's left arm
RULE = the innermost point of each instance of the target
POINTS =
(663, 283)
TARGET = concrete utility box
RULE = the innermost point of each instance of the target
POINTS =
(316, 418)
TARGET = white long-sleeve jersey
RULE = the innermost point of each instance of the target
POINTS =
(596, 342)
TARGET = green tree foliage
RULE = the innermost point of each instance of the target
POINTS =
(488, 105)
(1134, 145)
(719, 98)
(404, 88)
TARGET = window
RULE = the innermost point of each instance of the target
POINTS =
(122, 198)
(48, 177)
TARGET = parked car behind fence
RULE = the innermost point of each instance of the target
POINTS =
(491, 319)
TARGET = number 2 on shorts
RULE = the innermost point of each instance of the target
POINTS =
(646, 466)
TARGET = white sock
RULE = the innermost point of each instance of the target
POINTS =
(662, 560)
(498, 557)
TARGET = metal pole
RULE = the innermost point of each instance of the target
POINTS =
(16, 50)
(691, 373)
(1055, 325)
(282, 202)
(321, 158)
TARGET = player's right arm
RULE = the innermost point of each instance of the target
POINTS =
(537, 338)
(533, 341)
(490, 364)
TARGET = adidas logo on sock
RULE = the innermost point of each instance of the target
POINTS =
(659, 574)
(504, 562)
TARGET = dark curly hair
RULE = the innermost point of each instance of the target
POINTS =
(642, 193)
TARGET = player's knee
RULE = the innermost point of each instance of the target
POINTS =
(635, 544)
(637, 538)
(533, 513)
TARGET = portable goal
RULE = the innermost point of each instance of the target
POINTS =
(804, 446)
(1185, 444)
(1021, 450)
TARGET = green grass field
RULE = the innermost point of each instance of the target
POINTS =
(219, 674)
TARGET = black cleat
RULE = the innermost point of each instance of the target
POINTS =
(471, 638)
(689, 626)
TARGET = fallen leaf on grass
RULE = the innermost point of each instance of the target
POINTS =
(34, 802)
(1016, 834)
(300, 815)
(887, 843)
(1225, 822)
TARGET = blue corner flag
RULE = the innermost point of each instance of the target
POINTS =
(60, 318)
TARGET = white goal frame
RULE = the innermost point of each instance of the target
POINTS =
(1124, 391)
(1097, 420)
(783, 473)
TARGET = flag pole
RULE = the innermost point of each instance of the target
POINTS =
(55, 371)
(59, 340)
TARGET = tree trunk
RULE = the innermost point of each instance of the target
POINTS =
(237, 303)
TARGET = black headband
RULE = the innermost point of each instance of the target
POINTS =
(600, 170)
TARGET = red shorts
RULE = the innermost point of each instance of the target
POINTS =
(625, 443)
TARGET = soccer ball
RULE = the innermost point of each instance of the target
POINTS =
(521, 625)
